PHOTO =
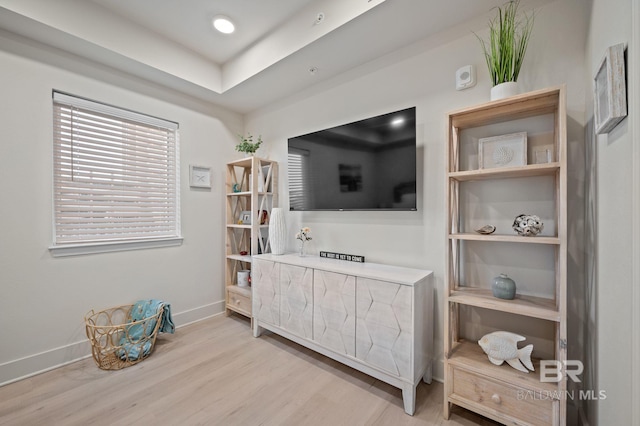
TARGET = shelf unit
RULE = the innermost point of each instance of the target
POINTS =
(251, 186)
(471, 380)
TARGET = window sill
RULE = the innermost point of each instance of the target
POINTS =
(107, 247)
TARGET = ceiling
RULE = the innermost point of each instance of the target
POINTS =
(189, 22)
(279, 48)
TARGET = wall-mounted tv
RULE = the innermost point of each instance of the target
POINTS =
(365, 165)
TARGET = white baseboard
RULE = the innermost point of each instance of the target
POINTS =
(198, 314)
(31, 365)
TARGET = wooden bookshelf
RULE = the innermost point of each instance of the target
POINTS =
(471, 380)
(255, 181)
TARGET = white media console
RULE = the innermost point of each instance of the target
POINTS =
(375, 318)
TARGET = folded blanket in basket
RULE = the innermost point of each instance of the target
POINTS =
(135, 342)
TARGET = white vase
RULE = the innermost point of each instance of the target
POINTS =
(504, 90)
(277, 231)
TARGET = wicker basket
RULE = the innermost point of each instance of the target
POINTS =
(116, 340)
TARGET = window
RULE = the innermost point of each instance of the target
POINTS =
(116, 178)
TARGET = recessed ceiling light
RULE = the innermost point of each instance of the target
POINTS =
(223, 24)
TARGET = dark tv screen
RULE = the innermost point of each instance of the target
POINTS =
(365, 165)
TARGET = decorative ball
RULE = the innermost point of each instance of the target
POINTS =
(527, 225)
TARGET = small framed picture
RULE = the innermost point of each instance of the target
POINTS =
(200, 176)
(543, 156)
(245, 217)
(503, 151)
(610, 97)
(264, 217)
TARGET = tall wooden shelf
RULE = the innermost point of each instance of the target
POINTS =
(471, 381)
(251, 186)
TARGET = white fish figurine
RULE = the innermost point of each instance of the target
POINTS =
(502, 346)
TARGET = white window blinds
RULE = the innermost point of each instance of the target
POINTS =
(115, 174)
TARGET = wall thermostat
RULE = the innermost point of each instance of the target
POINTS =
(465, 77)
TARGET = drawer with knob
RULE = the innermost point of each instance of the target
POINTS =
(502, 401)
(238, 301)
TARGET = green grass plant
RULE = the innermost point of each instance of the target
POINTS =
(509, 34)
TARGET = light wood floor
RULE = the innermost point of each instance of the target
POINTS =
(214, 372)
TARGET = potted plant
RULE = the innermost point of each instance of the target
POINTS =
(247, 145)
(509, 35)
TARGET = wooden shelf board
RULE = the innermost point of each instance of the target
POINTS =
(241, 258)
(469, 356)
(246, 162)
(530, 104)
(233, 225)
(531, 306)
(506, 172)
(238, 310)
(247, 194)
(505, 238)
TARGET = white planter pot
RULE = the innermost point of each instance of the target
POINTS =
(504, 90)
(277, 231)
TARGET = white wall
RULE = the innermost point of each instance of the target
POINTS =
(422, 76)
(612, 203)
(43, 299)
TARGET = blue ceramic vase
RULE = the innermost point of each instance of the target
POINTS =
(503, 287)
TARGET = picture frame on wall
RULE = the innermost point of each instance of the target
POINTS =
(199, 176)
(502, 151)
(610, 91)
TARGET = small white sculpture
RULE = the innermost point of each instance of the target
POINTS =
(502, 346)
(527, 225)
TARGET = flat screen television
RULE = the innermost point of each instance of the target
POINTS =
(365, 165)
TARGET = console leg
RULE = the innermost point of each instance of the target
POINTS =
(257, 330)
(409, 398)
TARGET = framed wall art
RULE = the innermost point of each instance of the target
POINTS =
(503, 151)
(610, 91)
(199, 176)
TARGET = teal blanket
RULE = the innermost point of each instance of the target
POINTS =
(134, 342)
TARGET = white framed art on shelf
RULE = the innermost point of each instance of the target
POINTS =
(502, 151)
(245, 217)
